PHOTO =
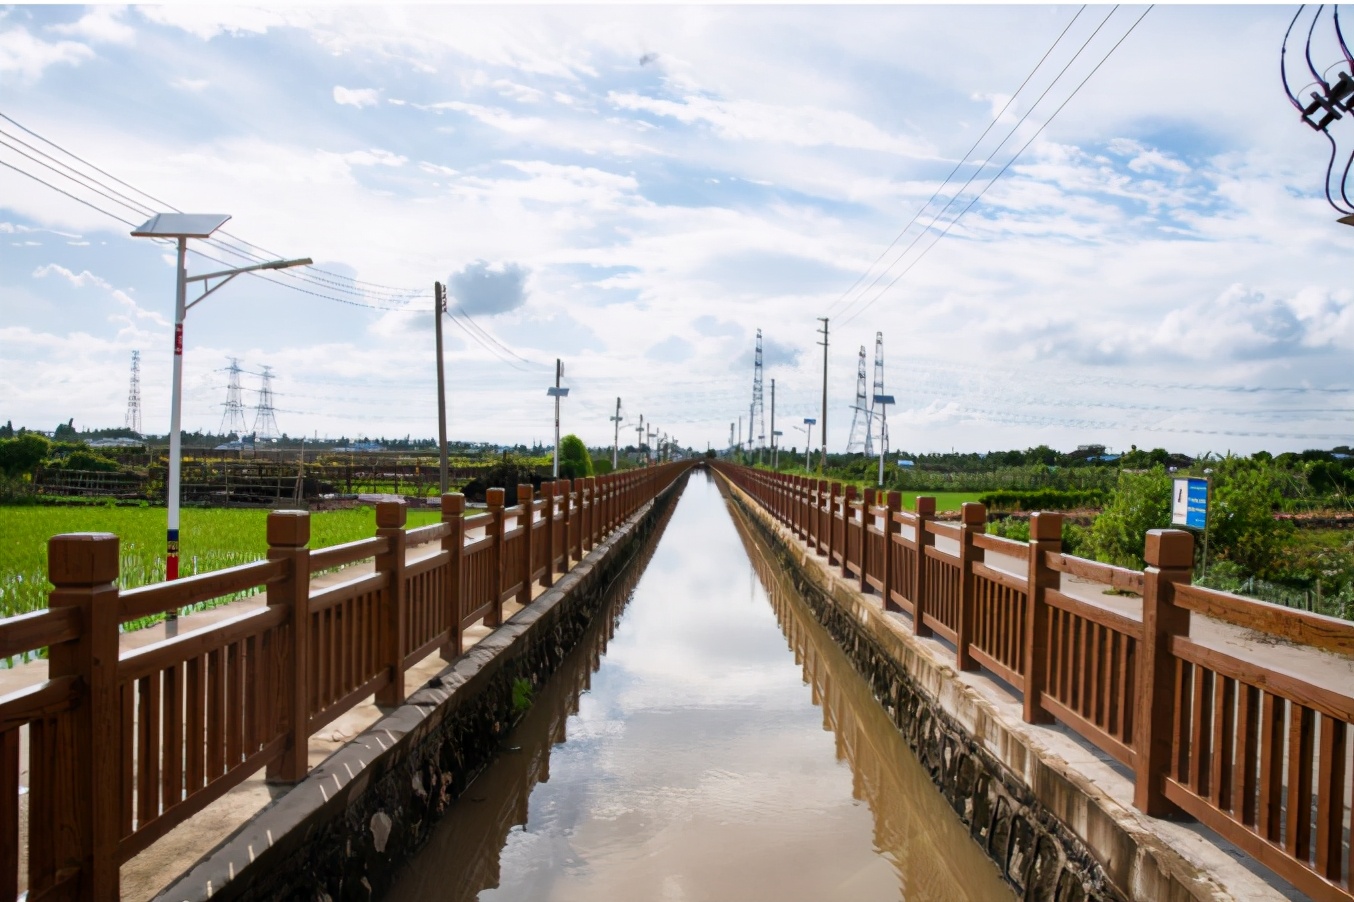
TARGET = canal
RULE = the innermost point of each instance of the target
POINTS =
(706, 741)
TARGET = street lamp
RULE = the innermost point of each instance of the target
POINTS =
(808, 439)
(181, 227)
(556, 392)
(882, 401)
(775, 449)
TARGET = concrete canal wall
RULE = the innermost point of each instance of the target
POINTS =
(1055, 818)
(345, 830)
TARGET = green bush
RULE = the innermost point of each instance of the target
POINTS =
(1141, 501)
(85, 460)
(574, 460)
(20, 456)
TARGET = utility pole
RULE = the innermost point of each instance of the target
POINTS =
(616, 446)
(773, 424)
(439, 308)
(822, 461)
(740, 437)
(639, 435)
(557, 393)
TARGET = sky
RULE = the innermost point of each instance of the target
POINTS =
(1134, 249)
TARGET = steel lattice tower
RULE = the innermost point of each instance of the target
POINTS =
(232, 420)
(878, 375)
(133, 421)
(265, 422)
(757, 415)
(859, 439)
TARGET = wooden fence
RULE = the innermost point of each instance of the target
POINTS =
(1255, 748)
(124, 746)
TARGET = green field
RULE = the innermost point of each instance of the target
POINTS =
(208, 540)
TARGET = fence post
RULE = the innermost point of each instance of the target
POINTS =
(494, 499)
(926, 512)
(834, 490)
(565, 534)
(974, 521)
(1046, 531)
(892, 502)
(288, 536)
(75, 760)
(866, 521)
(580, 516)
(591, 483)
(453, 514)
(548, 493)
(526, 501)
(848, 516)
(390, 520)
(1170, 560)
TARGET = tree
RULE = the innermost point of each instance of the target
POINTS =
(574, 460)
(65, 432)
(1241, 524)
(1141, 501)
(19, 456)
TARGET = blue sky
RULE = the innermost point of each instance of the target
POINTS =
(638, 189)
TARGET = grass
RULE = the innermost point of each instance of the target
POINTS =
(209, 539)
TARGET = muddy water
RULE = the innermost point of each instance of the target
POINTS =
(686, 753)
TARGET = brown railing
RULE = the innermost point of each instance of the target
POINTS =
(1257, 746)
(124, 746)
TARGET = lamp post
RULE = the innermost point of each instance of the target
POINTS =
(808, 439)
(556, 392)
(882, 401)
(616, 446)
(181, 227)
(775, 449)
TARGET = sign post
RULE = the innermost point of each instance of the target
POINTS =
(1189, 507)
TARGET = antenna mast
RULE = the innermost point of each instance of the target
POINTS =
(133, 421)
(232, 420)
(265, 421)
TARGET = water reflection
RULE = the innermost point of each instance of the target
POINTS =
(931, 849)
(696, 766)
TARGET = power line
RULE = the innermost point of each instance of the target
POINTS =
(976, 172)
(1002, 172)
(957, 166)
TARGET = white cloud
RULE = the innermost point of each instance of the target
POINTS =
(358, 97)
(744, 120)
(497, 118)
(193, 85)
(26, 56)
(102, 25)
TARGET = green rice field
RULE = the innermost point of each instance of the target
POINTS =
(209, 539)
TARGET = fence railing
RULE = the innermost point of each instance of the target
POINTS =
(1255, 744)
(125, 745)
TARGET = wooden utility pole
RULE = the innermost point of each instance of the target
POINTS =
(822, 461)
(439, 308)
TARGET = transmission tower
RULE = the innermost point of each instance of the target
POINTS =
(265, 422)
(878, 375)
(859, 439)
(757, 416)
(232, 419)
(134, 396)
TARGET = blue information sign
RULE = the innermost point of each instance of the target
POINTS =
(1189, 506)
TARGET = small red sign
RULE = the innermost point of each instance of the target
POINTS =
(178, 339)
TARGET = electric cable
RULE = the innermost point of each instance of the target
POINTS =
(962, 161)
(936, 217)
(994, 179)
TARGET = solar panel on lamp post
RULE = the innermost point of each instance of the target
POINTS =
(180, 227)
(883, 401)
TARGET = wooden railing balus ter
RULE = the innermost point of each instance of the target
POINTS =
(125, 745)
(1211, 721)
